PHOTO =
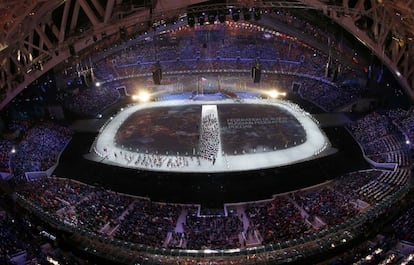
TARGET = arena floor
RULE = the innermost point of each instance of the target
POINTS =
(228, 180)
(252, 134)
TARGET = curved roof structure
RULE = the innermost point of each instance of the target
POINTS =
(36, 35)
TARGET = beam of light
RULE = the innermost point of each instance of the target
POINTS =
(275, 94)
(142, 96)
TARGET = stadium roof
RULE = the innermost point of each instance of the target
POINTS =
(36, 35)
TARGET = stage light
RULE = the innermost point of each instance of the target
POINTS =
(142, 96)
(275, 94)
(97, 84)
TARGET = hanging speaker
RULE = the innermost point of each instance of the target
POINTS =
(256, 74)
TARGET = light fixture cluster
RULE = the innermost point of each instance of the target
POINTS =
(220, 15)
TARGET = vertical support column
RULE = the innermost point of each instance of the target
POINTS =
(108, 10)
(64, 21)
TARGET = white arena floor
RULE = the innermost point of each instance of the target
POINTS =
(105, 151)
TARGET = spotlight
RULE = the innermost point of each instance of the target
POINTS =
(142, 96)
(275, 94)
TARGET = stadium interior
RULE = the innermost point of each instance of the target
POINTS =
(206, 132)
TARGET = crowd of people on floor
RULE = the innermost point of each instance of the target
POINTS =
(210, 137)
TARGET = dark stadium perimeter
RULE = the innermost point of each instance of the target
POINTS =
(211, 190)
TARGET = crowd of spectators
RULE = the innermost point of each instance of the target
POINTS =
(329, 205)
(350, 185)
(370, 127)
(381, 139)
(148, 223)
(230, 47)
(187, 49)
(39, 148)
(89, 101)
(142, 221)
(277, 220)
(6, 149)
(99, 208)
(282, 218)
(328, 96)
(13, 237)
(212, 231)
(10, 138)
(145, 222)
(404, 120)
(22, 241)
(404, 226)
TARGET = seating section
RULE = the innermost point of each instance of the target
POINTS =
(329, 205)
(39, 149)
(230, 47)
(404, 226)
(381, 140)
(88, 102)
(212, 232)
(285, 218)
(6, 147)
(276, 220)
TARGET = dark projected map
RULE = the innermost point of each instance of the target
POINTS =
(250, 128)
(161, 130)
